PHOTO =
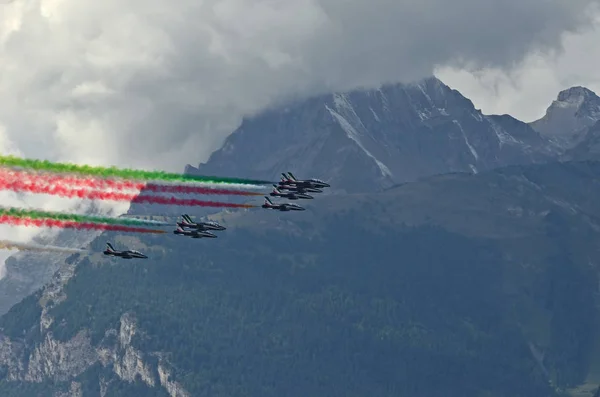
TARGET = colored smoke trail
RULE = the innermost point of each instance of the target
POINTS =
(5, 244)
(99, 183)
(28, 187)
(36, 214)
(54, 223)
(157, 188)
(148, 222)
(107, 172)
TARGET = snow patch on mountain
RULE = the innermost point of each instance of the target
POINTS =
(375, 115)
(353, 133)
(471, 148)
(421, 87)
(503, 136)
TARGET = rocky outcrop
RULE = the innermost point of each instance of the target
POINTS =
(60, 361)
(63, 361)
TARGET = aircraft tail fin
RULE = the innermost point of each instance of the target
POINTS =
(268, 201)
(109, 247)
(291, 176)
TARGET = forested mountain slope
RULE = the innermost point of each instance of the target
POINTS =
(455, 285)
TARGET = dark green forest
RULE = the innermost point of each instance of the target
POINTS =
(357, 303)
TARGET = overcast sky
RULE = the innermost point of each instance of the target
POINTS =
(157, 83)
(160, 83)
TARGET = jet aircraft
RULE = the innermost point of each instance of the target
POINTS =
(127, 254)
(188, 223)
(193, 233)
(290, 195)
(281, 207)
(290, 179)
(286, 184)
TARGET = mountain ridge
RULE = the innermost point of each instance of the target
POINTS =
(395, 133)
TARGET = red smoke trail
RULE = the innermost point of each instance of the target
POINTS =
(27, 186)
(17, 221)
(53, 179)
(99, 183)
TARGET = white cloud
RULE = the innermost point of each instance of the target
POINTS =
(156, 83)
(159, 83)
(42, 202)
(528, 89)
(45, 203)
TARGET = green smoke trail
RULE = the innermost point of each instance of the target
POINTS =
(61, 216)
(67, 168)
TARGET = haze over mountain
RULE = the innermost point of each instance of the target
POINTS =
(480, 281)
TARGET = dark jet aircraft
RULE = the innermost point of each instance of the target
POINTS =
(291, 195)
(286, 184)
(188, 223)
(193, 233)
(290, 180)
(127, 254)
(281, 207)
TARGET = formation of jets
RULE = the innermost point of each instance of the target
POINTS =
(294, 189)
(187, 227)
(288, 187)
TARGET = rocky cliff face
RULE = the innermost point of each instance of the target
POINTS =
(370, 139)
(63, 361)
(588, 147)
(26, 272)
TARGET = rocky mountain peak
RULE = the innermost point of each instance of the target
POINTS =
(576, 96)
(574, 110)
(365, 140)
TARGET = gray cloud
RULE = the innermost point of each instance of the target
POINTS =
(157, 83)
(526, 90)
